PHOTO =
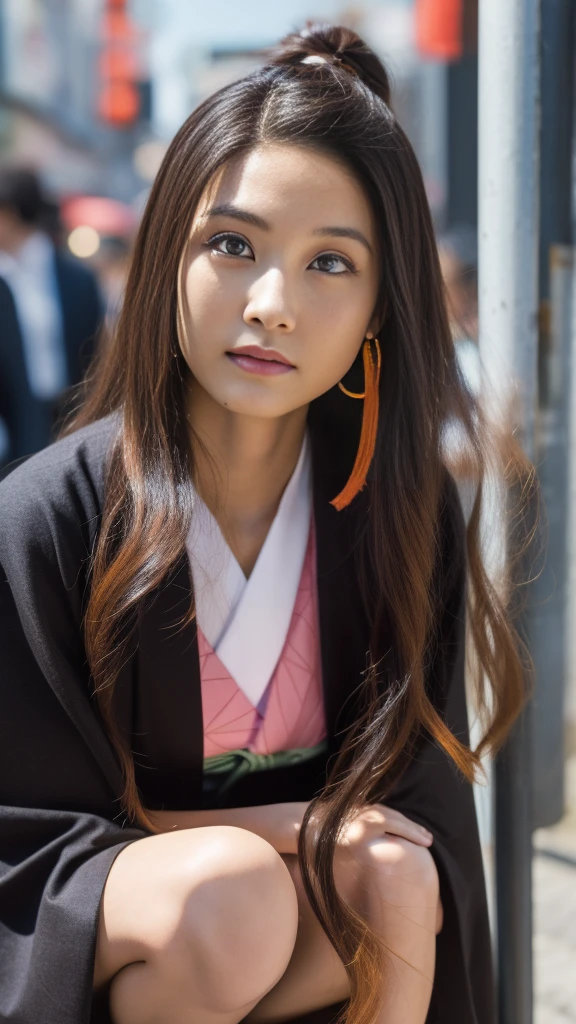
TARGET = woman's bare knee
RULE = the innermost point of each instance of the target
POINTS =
(212, 911)
(403, 876)
(241, 925)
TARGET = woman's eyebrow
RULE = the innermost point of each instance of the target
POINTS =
(228, 210)
(339, 232)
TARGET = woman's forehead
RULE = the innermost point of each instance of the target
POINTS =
(285, 184)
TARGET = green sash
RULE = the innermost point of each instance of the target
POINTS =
(237, 763)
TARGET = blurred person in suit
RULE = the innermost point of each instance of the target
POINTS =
(111, 263)
(50, 315)
(458, 252)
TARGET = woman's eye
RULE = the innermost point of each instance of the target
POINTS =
(229, 245)
(330, 263)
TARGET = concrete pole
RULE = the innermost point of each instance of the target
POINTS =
(508, 301)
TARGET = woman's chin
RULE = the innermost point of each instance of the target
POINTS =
(256, 403)
(258, 410)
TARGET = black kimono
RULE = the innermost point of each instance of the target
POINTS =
(60, 782)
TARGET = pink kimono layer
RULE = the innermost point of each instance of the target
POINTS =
(291, 712)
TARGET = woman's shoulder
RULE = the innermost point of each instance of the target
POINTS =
(65, 479)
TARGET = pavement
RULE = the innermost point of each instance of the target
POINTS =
(554, 891)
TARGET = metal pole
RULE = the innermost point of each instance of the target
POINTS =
(550, 626)
(508, 303)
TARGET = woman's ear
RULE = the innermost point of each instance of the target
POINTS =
(377, 322)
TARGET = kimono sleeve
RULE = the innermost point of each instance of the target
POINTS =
(58, 776)
(433, 792)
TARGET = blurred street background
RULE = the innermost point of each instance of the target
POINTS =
(92, 91)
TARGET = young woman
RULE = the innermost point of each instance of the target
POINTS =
(235, 760)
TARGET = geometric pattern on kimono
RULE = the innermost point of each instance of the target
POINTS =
(291, 711)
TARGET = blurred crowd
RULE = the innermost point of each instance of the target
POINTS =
(60, 288)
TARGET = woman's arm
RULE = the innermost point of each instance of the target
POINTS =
(278, 824)
(58, 837)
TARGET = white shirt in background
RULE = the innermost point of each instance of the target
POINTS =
(31, 277)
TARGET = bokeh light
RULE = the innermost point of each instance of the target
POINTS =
(84, 241)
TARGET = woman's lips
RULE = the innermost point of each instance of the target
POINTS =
(264, 362)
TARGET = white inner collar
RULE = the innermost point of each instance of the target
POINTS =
(246, 621)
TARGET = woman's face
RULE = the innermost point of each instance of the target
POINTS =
(282, 263)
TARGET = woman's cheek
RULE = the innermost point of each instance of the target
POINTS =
(339, 348)
(207, 291)
(322, 373)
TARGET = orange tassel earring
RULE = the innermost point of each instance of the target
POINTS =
(357, 478)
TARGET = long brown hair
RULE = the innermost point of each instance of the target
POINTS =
(341, 107)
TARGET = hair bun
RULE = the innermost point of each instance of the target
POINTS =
(342, 45)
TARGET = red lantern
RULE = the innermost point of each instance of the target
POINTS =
(440, 28)
(118, 99)
(119, 103)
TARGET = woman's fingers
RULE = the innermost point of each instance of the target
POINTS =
(376, 820)
(399, 825)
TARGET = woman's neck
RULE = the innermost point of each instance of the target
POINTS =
(244, 469)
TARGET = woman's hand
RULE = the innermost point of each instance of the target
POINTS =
(375, 821)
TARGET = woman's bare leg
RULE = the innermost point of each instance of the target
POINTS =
(195, 927)
(403, 906)
(393, 884)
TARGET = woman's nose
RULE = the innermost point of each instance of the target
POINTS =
(268, 303)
